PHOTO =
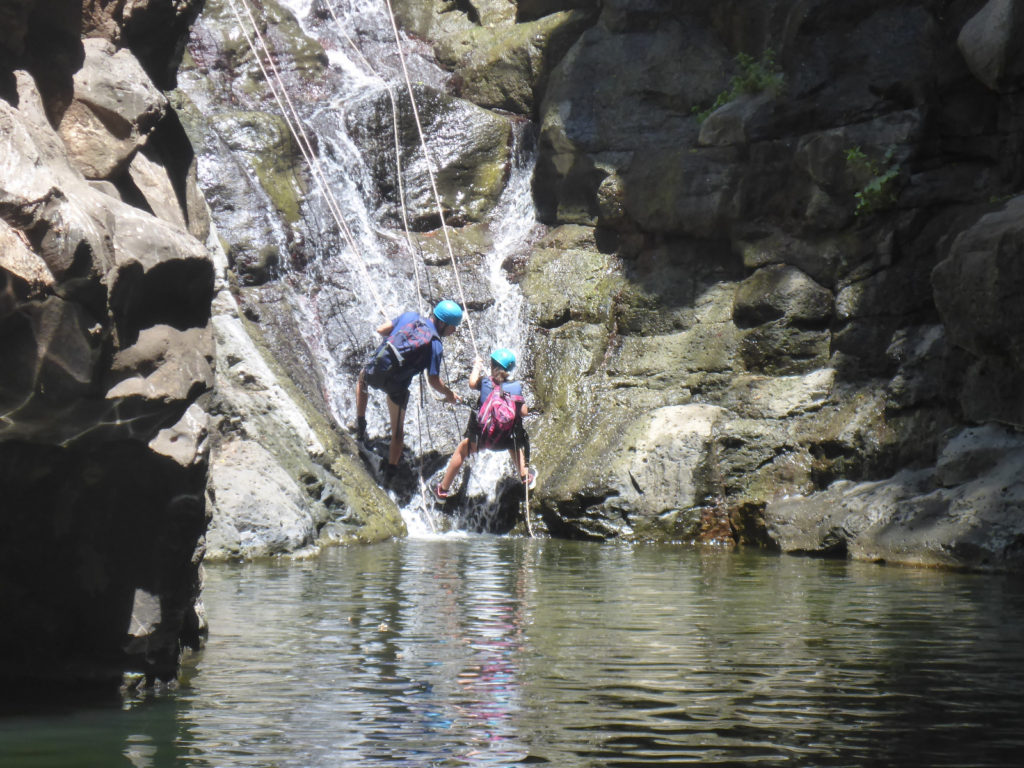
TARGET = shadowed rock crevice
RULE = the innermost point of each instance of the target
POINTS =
(93, 547)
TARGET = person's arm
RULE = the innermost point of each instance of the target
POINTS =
(476, 374)
(385, 329)
(524, 411)
(435, 381)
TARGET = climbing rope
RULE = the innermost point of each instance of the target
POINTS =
(403, 205)
(414, 249)
(526, 483)
(430, 173)
(295, 125)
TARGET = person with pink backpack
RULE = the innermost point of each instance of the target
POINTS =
(497, 422)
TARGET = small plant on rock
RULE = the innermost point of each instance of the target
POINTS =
(880, 189)
(755, 76)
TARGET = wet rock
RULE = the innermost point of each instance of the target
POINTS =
(470, 151)
(569, 284)
(304, 480)
(504, 67)
(258, 508)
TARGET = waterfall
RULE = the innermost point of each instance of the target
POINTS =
(332, 293)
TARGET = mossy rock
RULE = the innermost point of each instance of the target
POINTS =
(470, 154)
(265, 142)
(505, 66)
(578, 284)
(294, 52)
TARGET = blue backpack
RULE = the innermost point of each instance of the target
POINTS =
(398, 352)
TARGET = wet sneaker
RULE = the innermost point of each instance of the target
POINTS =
(441, 493)
(360, 430)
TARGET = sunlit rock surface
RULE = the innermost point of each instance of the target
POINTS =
(842, 214)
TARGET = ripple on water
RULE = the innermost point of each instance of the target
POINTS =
(483, 651)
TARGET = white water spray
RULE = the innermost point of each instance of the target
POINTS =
(336, 315)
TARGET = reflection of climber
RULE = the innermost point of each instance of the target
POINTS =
(496, 423)
(412, 344)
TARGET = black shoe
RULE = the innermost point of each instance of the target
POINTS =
(360, 430)
(388, 471)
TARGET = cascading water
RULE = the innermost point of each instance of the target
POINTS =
(343, 293)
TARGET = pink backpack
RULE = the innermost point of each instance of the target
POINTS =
(497, 417)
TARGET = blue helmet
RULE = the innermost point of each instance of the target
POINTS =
(504, 358)
(448, 312)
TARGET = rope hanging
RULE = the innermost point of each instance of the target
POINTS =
(294, 124)
(403, 206)
(413, 249)
(430, 173)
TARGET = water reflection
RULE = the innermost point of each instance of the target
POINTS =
(481, 651)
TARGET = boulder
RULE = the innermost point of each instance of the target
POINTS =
(20, 263)
(989, 44)
(977, 287)
(469, 154)
(164, 365)
(977, 290)
(257, 508)
(114, 109)
(185, 441)
(504, 67)
(154, 183)
(975, 524)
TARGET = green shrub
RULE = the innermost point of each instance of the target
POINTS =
(880, 188)
(755, 76)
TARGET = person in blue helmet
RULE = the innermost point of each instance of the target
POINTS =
(412, 344)
(487, 428)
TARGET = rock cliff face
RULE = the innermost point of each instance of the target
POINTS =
(784, 253)
(778, 301)
(109, 423)
(782, 259)
(800, 231)
(105, 340)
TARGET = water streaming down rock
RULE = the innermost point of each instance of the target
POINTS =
(336, 293)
